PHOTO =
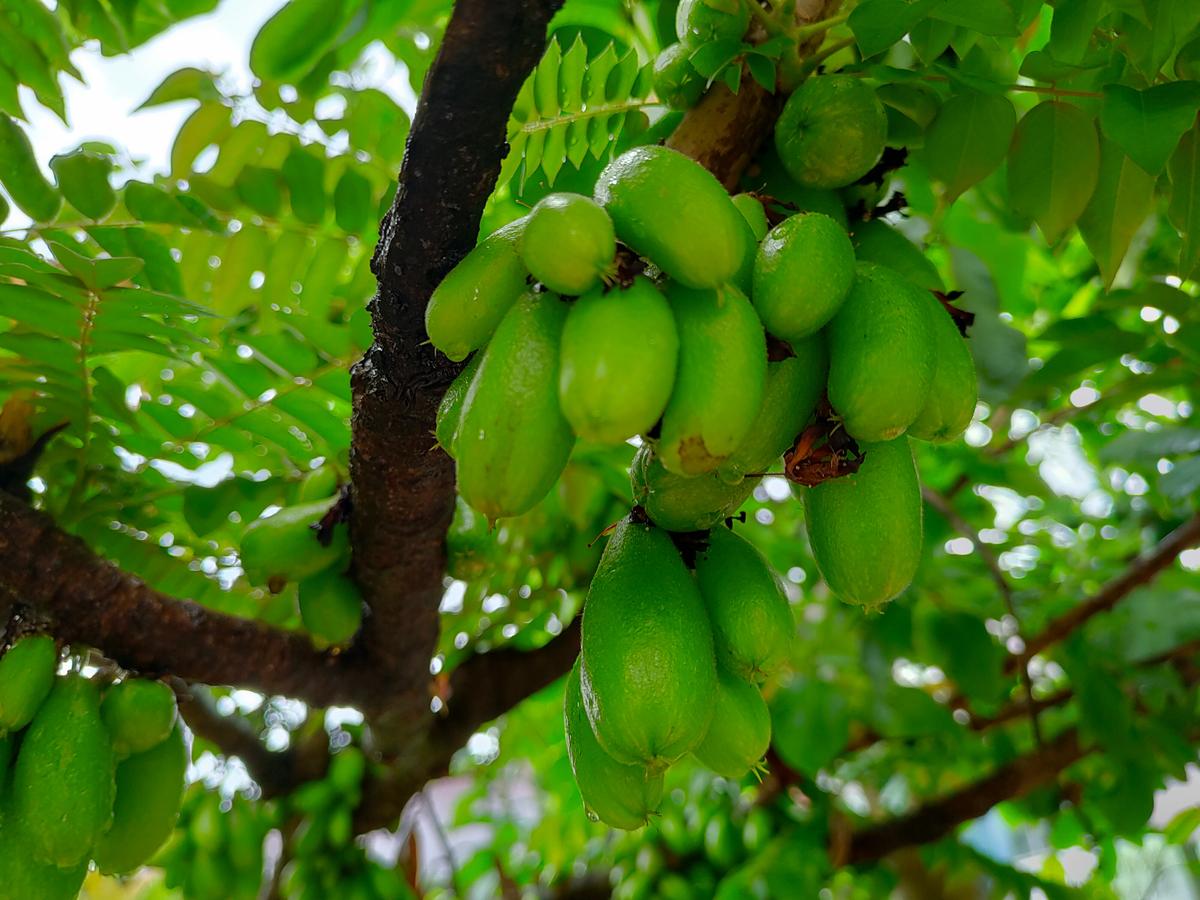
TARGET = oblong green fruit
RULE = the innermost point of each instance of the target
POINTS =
(877, 242)
(866, 528)
(671, 210)
(611, 387)
(743, 278)
(62, 785)
(678, 503)
(330, 607)
(6, 749)
(21, 177)
(720, 381)
(754, 213)
(676, 81)
(649, 671)
(740, 731)
(794, 387)
(831, 131)
(318, 484)
(568, 243)
(449, 411)
(22, 877)
(702, 21)
(751, 619)
(139, 714)
(513, 441)
(82, 177)
(954, 390)
(284, 547)
(26, 677)
(618, 795)
(881, 355)
(802, 272)
(149, 795)
(468, 305)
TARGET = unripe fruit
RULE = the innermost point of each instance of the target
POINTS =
(139, 714)
(878, 242)
(648, 666)
(330, 607)
(954, 390)
(469, 545)
(62, 784)
(802, 272)
(743, 278)
(678, 503)
(881, 355)
(672, 211)
(722, 842)
(26, 677)
(22, 876)
(449, 411)
(513, 440)
(676, 82)
(831, 131)
(618, 795)
(284, 547)
(794, 387)
(6, 749)
(755, 215)
(866, 528)
(701, 21)
(720, 381)
(568, 243)
(751, 620)
(318, 484)
(740, 731)
(468, 305)
(149, 795)
(619, 353)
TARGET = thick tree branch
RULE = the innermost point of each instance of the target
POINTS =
(403, 488)
(55, 579)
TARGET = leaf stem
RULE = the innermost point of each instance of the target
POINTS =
(606, 109)
(819, 27)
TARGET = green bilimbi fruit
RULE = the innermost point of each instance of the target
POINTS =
(62, 785)
(26, 677)
(21, 177)
(743, 278)
(751, 620)
(720, 381)
(83, 179)
(802, 272)
(881, 355)
(955, 389)
(865, 528)
(318, 484)
(330, 607)
(676, 81)
(831, 131)
(149, 795)
(513, 441)
(649, 671)
(22, 876)
(6, 748)
(449, 411)
(285, 548)
(468, 305)
(612, 386)
(568, 243)
(794, 387)
(740, 731)
(618, 795)
(878, 242)
(754, 213)
(701, 21)
(671, 210)
(678, 503)
(139, 714)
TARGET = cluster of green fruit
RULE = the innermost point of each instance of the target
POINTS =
(326, 861)
(697, 22)
(296, 544)
(84, 773)
(217, 854)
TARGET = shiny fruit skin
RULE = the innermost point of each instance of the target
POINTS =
(568, 243)
(449, 411)
(679, 503)
(876, 241)
(676, 82)
(740, 731)
(700, 22)
(831, 131)
(330, 607)
(284, 547)
(26, 677)
(955, 387)
(139, 714)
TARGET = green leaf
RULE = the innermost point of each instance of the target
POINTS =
(1183, 481)
(1184, 210)
(810, 724)
(82, 177)
(150, 203)
(959, 643)
(187, 83)
(97, 274)
(968, 139)
(991, 17)
(1124, 197)
(208, 126)
(1071, 28)
(878, 24)
(305, 177)
(21, 176)
(1148, 124)
(1182, 826)
(352, 202)
(294, 39)
(1053, 165)
(261, 189)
